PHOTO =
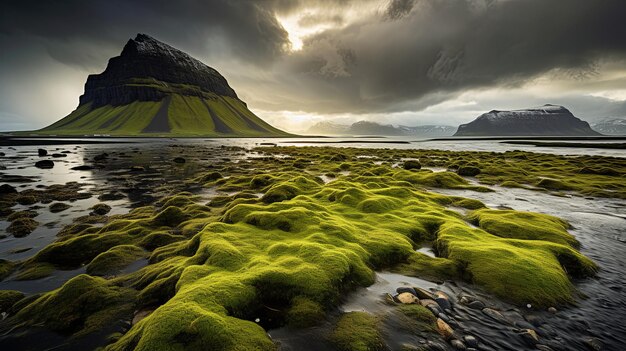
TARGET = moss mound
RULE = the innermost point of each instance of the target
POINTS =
(113, 260)
(357, 331)
(84, 304)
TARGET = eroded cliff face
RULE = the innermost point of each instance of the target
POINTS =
(547, 120)
(149, 70)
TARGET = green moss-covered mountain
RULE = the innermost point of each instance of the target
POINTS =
(153, 89)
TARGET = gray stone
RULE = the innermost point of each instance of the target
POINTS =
(470, 341)
(457, 344)
(477, 305)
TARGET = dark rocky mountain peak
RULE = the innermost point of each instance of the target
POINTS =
(148, 69)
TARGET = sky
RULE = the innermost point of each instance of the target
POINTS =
(299, 62)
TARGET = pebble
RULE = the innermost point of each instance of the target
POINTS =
(552, 310)
(593, 343)
(457, 344)
(529, 336)
(444, 329)
(523, 325)
(470, 341)
(477, 305)
(406, 289)
(406, 298)
(495, 315)
(443, 303)
(179, 160)
(422, 294)
(42, 152)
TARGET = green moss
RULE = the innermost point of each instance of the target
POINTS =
(418, 313)
(524, 225)
(36, 271)
(6, 267)
(517, 270)
(214, 270)
(357, 331)
(304, 313)
(113, 260)
(84, 304)
(22, 226)
(8, 298)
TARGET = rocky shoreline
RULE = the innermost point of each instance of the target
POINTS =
(286, 208)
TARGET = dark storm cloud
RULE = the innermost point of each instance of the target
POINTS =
(74, 31)
(434, 48)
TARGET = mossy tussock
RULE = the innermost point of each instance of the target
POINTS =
(215, 269)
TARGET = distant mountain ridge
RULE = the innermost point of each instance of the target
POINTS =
(154, 89)
(546, 120)
(373, 128)
(611, 126)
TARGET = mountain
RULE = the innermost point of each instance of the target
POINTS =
(613, 126)
(153, 89)
(373, 128)
(546, 120)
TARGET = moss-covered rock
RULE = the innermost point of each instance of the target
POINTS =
(8, 298)
(304, 313)
(84, 304)
(357, 331)
(113, 260)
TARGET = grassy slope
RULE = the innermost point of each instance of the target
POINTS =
(188, 117)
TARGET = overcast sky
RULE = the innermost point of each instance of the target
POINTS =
(295, 63)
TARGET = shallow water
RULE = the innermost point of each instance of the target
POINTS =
(599, 224)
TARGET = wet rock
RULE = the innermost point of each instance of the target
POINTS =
(59, 155)
(422, 293)
(7, 189)
(100, 209)
(406, 298)
(534, 320)
(593, 343)
(411, 164)
(114, 195)
(468, 171)
(444, 329)
(495, 315)
(44, 164)
(21, 227)
(58, 207)
(137, 169)
(457, 344)
(470, 341)
(434, 346)
(523, 325)
(179, 160)
(406, 289)
(42, 152)
(477, 305)
(390, 299)
(101, 157)
(443, 300)
(552, 310)
(529, 336)
(82, 168)
(542, 347)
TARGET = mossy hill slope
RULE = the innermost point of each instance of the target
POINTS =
(153, 89)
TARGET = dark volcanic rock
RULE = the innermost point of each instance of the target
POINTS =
(45, 164)
(548, 120)
(161, 66)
